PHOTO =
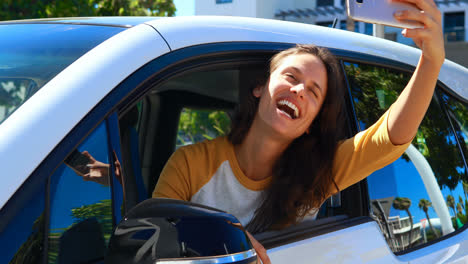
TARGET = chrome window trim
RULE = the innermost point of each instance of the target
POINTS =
(211, 260)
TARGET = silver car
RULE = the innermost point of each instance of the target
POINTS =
(114, 97)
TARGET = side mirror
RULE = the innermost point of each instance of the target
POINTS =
(164, 230)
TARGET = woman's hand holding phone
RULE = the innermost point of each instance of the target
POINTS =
(428, 38)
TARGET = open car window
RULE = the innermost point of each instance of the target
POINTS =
(198, 105)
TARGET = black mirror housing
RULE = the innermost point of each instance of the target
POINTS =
(159, 230)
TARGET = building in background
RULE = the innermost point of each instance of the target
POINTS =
(396, 229)
(324, 12)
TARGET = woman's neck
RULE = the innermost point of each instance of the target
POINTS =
(259, 151)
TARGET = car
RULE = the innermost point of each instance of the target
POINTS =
(92, 108)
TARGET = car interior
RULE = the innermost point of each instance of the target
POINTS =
(149, 130)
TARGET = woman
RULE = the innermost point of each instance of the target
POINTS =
(283, 157)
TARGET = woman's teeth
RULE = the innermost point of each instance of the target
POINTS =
(293, 110)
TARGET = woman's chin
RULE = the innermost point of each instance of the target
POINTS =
(288, 131)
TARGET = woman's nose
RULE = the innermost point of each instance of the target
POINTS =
(298, 89)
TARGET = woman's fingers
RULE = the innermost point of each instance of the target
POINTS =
(427, 10)
(429, 38)
(426, 5)
(261, 251)
(86, 177)
(417, 33)
(412, 35)
(418, 16)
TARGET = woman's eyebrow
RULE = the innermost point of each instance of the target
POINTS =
(300, 72)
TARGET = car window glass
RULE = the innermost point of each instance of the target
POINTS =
(458, 114)
(22, 238)
(419, 197)
(80, 202)
(33, 54)
(196, 125)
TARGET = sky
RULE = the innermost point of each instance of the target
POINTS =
(185, 7)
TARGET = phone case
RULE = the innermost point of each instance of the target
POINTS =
(78, 161)
(380, 12)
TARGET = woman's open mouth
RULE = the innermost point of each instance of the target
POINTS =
(288, 108)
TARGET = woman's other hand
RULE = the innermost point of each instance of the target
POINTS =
(98, 171)
(261, 251)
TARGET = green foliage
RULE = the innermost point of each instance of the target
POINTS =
(431, 234)
(198, 125)
(375, 90)
(424, 205)
(401, 203)
(27, 9)
(451, 203)
(102, 211)
(13, 93)
(465, 187)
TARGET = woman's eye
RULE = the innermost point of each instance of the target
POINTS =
(290, 77)
(313, 92)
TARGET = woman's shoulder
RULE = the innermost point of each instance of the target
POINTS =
(210, 147)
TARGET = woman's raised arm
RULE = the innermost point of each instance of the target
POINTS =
(411, 106)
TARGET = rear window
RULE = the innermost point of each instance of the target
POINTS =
(32, 54)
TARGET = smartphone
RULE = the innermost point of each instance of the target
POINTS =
(78, 162)
(380, 12)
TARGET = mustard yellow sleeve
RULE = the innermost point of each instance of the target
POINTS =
(368, 151)
(174, 179)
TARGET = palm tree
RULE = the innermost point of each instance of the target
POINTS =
(403, 203)
(451, 204)
(459, 208)
(424, 205)
(465, 189)
(461, 202)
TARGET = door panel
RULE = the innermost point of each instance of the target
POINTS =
(362, 243)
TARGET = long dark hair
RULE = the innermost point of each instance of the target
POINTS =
(302, 176)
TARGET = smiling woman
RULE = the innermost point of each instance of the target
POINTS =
(300, 76)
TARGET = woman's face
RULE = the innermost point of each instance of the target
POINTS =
(293, 96)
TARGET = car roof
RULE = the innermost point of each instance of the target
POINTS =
(117, 21)
(146, 39)
(181, 32)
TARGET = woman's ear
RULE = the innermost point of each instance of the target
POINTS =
(257, 91)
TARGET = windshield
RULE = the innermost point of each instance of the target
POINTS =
(32, 54)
